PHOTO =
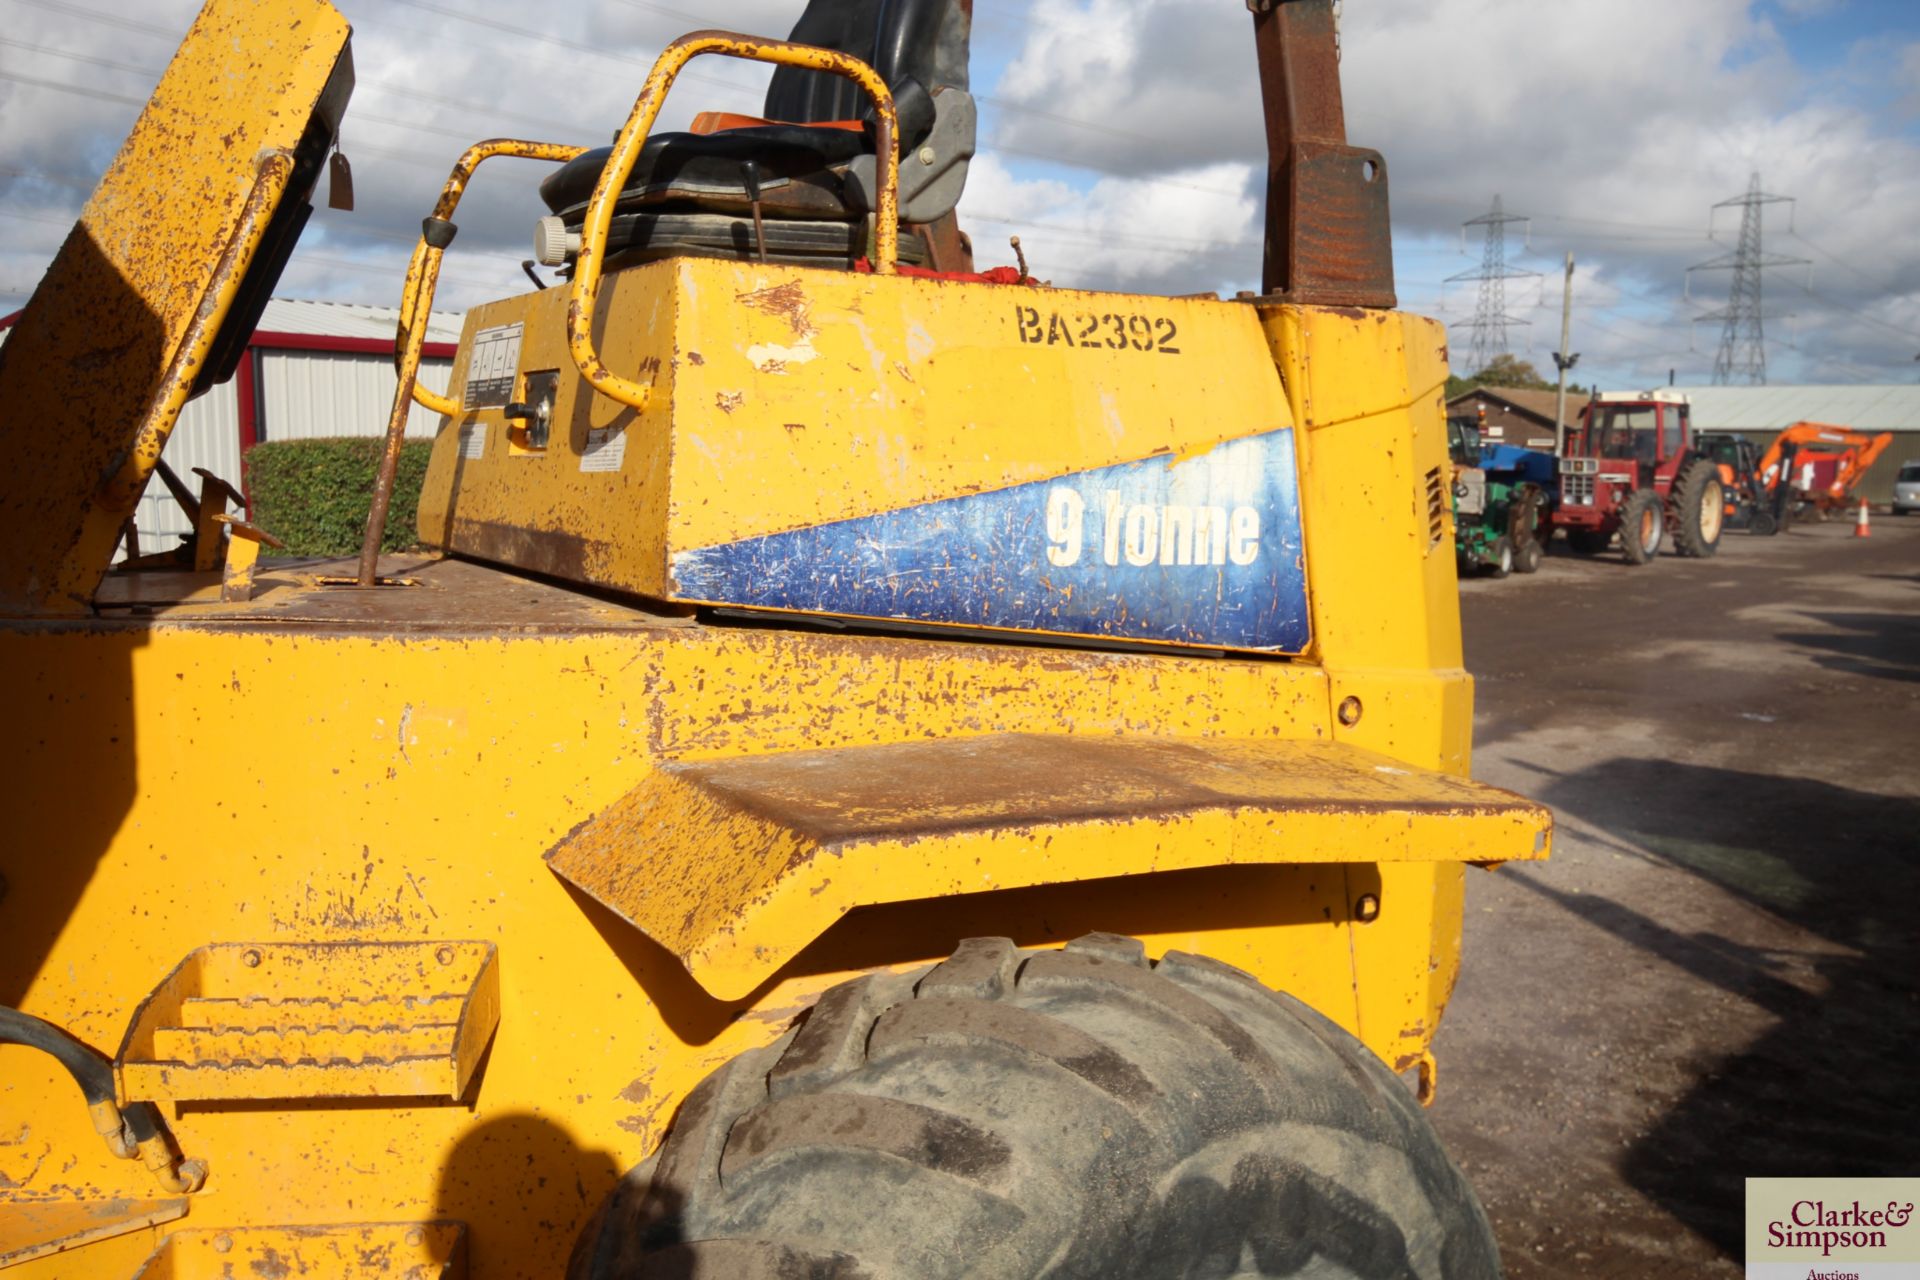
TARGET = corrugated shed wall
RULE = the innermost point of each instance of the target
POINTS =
(302, 394)
(328, 393)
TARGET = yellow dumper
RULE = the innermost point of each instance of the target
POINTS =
(885, 770)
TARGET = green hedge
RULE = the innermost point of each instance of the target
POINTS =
(314, 494)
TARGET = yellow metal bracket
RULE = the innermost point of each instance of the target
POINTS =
(584, 291)
(243, 554)
(734, 865)
(32, 1229)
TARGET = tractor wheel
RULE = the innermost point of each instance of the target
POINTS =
(1500, 557)
(1527, 525)
(1588, 542)
(1066, 1113)
(1762, 523)
(1527, 557)
(1699, 509)
(1643, 524)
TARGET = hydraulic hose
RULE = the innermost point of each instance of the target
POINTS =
(90, 1069)
(138, 1132)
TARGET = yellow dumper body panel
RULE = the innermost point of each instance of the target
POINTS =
(828, 442)
(217, 803)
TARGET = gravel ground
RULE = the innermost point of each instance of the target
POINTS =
(1717, 975)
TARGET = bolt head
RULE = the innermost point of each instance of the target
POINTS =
(926, 155)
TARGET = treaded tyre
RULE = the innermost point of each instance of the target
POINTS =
(1699, 509)
(1762, 524)
(1527, 520)
(1500, 557)
(1643, 524)
(1527, 556)
(1076, 1113)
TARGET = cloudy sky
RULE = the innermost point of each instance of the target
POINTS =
(1121, 142)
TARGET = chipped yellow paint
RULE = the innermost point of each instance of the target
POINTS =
(583, 290)
(325, 765)
(105, 354)
(199, 780)
(368, 1251)
(735, 865)
(787, 397)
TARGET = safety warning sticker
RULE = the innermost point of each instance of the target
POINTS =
(473, 440)
(606, 449)
(491, 370)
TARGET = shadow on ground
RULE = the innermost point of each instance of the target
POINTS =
(1884, 645)
(1833, 1089)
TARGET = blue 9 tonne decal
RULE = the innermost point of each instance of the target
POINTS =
(1198, 550)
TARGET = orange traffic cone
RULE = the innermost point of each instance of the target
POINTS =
(1861, 529)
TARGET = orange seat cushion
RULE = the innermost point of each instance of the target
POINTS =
(720, 121)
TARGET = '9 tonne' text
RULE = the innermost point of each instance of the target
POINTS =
(1148, 533)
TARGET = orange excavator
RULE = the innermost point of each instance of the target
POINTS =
(1820, 463)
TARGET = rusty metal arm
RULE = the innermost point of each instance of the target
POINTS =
(416, 304)
(1328, 238)
(123, 489)
(584, 294)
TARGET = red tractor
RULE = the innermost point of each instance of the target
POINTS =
(1631, 467)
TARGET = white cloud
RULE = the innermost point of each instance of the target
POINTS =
(1615, 123)
(1123, 144)
(1170, 232)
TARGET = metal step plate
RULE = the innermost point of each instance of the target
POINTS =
(351, 1251)
(315, 1020)
(734, 864)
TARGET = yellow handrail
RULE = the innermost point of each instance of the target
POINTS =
(585, 288)
(423, 270)
(416, 304)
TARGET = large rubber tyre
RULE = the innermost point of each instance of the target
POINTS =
(1762, 523)
(1527, 519)
(1588, 542)
(1643, 525)
(1075, 1113)
(1499, 557)
(1527, 557)
(1699, 509)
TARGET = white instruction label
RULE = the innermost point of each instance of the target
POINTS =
(473, 440)
(606, 449)
(491, 369)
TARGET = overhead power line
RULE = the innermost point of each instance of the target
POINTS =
(109, 19)
(1743, 343)
(1490, 319)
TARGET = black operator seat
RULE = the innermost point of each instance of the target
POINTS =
(810, 157)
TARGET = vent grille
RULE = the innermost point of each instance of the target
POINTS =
(1436, 508)
(1577, 489)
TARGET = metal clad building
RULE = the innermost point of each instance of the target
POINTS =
(311, 369)
(1760, 413)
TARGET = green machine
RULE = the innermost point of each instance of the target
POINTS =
(1499, 508)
